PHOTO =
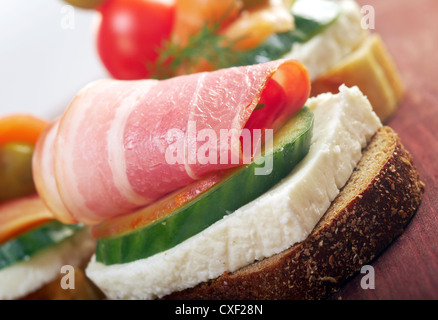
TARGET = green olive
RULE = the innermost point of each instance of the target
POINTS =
(85, 4)
(16, 170)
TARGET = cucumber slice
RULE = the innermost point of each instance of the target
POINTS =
(24, 246)
(291, 143)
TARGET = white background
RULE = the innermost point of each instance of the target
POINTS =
(47, 54)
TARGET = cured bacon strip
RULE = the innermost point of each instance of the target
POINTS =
(110, 146)
(44, 176)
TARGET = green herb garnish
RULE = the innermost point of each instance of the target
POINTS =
(206, 46)
(210, 47)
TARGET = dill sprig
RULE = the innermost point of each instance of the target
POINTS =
(207, 46)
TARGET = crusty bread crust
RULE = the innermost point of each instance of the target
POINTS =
(374, 207)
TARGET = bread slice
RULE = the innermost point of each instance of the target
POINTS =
(372, 69)
(373, 208)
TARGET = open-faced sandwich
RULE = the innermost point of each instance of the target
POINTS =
(229, 184)
(251, 164)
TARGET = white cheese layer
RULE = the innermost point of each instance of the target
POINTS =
(325, 50)
(23, 278)
(268, 225)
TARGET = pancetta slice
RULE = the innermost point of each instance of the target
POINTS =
(121, 145)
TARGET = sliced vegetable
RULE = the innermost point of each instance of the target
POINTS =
(159, 209)
(21, 128)
(20, 215)
(291, 143)
(27, 244)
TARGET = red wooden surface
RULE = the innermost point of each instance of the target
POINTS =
(408, 269)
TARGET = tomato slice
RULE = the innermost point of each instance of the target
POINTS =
(21, 128)
(271, 105)
(130, 33)
(21, 215)
(284, 95)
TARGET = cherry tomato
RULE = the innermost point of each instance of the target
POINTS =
(130, 33)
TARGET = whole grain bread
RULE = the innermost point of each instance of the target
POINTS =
(373, 208)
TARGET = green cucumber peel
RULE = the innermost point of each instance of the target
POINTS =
(290, 145)
(28, 244)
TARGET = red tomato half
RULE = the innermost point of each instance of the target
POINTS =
(130, 33)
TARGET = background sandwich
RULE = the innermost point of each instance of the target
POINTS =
(207, 227)
(407, 126)
(332, 38)
(33, 245)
